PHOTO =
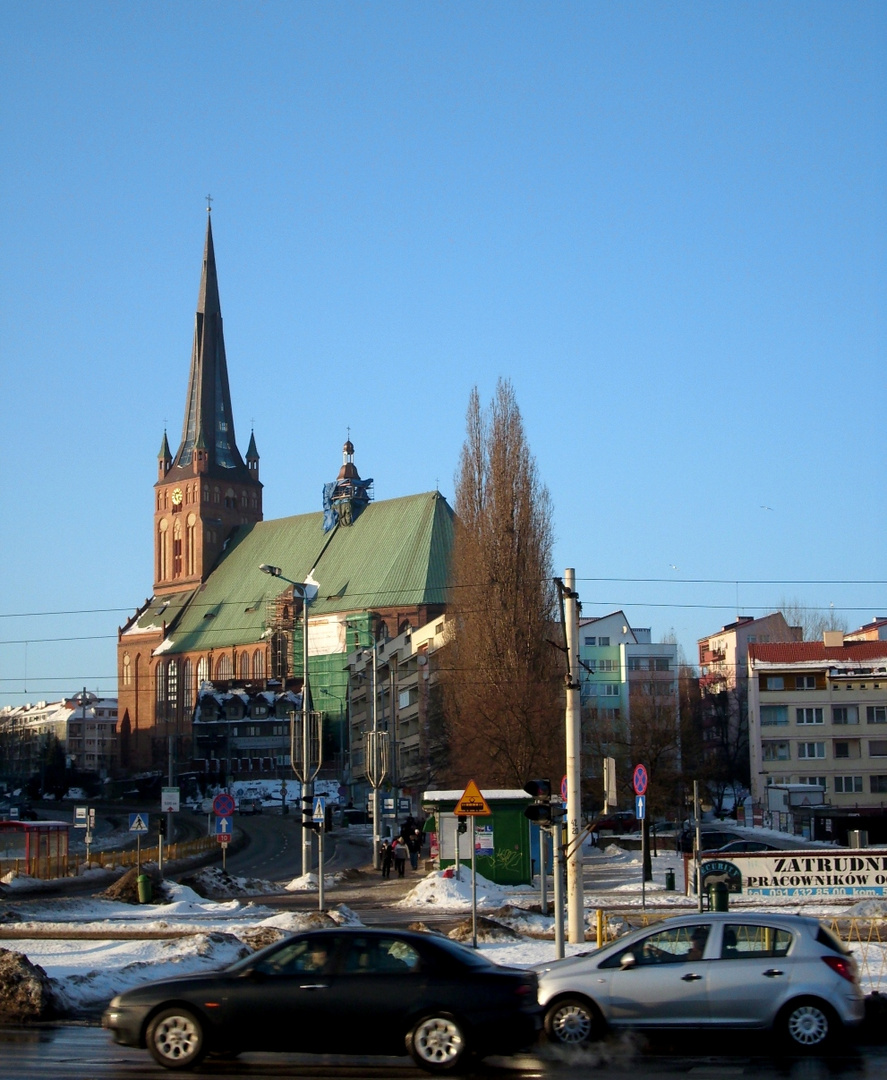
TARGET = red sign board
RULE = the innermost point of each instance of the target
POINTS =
(639, 780)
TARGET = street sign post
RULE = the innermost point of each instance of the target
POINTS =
(223, 805)
(639, 780)
(170, 800)
(473, 804)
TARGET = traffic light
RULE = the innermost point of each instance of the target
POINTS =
(541, 811)
(161, 825)
(308, 821)
(463, 824)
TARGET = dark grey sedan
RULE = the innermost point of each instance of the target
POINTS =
(337, 991)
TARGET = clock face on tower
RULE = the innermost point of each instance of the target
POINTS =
(177, 496)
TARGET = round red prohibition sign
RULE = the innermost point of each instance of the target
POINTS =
(223, 805)
(639, 780)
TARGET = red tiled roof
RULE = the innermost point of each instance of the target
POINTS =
(795, 652)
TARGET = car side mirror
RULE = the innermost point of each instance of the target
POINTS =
(628, 960)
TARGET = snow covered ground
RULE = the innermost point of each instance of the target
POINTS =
(87, 973)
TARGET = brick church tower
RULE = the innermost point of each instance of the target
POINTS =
(207, 489)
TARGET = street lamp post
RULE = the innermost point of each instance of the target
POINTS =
(306, 759)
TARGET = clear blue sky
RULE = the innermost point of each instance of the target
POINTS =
(664, 222)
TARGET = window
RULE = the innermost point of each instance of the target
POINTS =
(608, 665)
(753, 942)
(841, 749)
(776, 751)
(187, 686)
(811, 750)
(876, 714)
(878, 785)
(591, 641)
(610, 690)
(808, 716)
(662, 663)
(845, 714)
(774, 682)
(877, 747)
(773, 714)
(815, 781)
(848, 785)
(603, 641)
(805, 682)
(672, 946)
(634, 663)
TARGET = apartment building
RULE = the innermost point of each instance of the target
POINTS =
(818, 715)
(392, 721)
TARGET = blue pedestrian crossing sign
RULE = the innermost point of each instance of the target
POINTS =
(138, 822)
(640, 807)
(319, 813)
(224, 826)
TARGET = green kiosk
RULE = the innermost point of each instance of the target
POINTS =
(502, 837)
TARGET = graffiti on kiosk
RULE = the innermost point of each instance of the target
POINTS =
(852, 873)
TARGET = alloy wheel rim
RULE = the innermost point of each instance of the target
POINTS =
(572, 1024)
(808, 1025)
(176, 1037)
(438, 1041)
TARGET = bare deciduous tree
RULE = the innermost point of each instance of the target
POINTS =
(503, 694)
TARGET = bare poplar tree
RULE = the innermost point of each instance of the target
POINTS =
(502, 690)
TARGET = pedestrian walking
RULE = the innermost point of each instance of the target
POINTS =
(399, 849)
(386, 859)
(414, 847)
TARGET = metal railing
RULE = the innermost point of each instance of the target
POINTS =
(51, 867)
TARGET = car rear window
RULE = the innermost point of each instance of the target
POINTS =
(746, 940)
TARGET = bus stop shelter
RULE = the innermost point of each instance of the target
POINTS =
(36, 848)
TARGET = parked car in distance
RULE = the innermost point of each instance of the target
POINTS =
(338, 991)
(249, 806)
(741, 846)
(621, 821)
(783, 973)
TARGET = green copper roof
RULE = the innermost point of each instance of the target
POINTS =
(394, 554)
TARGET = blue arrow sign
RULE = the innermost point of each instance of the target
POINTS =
(640, 807)
(138, 822)
(224, 826)
(319, 808)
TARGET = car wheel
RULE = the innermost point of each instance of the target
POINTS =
(175, 1039)
(437, 1043)
(808, 1025)
(573, 1021)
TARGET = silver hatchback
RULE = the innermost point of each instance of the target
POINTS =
(785, 973)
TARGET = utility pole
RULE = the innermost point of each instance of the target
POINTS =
(575, 891)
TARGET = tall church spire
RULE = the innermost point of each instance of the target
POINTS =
(208, 444)
(207, 490)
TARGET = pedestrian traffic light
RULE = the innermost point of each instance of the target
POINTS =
(463, 824)
(308, 821)
(161, 825)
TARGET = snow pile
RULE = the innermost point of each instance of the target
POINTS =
(443, 889)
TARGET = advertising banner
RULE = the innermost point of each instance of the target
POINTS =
(801, 873)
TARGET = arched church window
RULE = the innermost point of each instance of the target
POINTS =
(202, 671)
(244, 666)
(224, 668)
(127, 670)
(279, 649)
(230, 501)
(191, 544)
(172, 686)
(163, 550)
(187, 686)
(259, 664)
(177, 548)
(159, 690)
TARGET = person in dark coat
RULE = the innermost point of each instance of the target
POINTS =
(386, 859)
(414, 847)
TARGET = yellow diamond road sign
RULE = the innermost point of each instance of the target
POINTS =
(472, 803)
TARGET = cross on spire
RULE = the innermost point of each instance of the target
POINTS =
(209, 201)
